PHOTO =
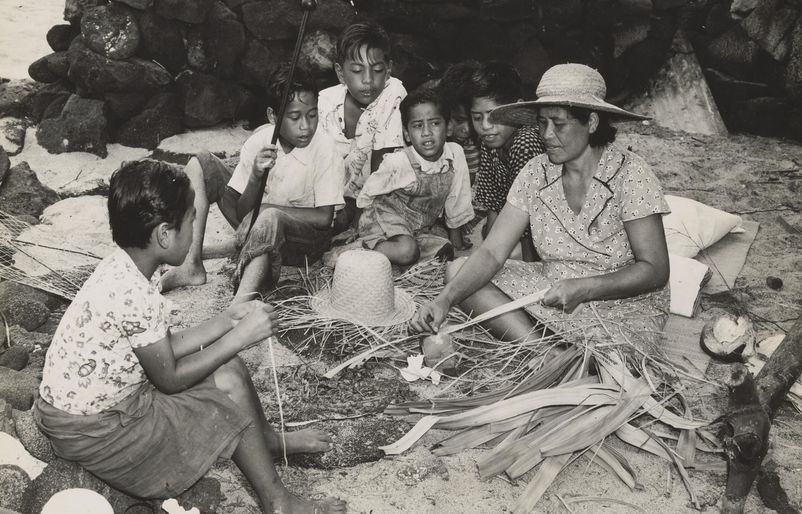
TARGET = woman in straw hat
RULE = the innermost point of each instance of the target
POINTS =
(595, 210)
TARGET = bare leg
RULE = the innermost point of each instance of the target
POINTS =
(253, 454)
(192, 272)
(254, 281)
(401, 250)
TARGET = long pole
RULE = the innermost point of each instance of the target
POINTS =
(307, 6)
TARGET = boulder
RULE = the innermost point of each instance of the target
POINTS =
(207, 100)
(15, 97)
(636, 8)
(14, 487)
(95, 74)
(627, 34)
(190, 11)
(14, 358)
(224, 40)
(280, 19)
(162, 41)
(22, 193)
(766, 116)
(121, 107)
(318, 52)
(25, 312)
(32, 439)
(137, 4)
(160, 119)
(81, 127)
(55, 94)
(734, 53)
(61, 474)
(50, 68)
(770, 24)
(12, 138)
(59, 37)
(75, 9)
(257, 63)
(740, 9)
(728, 89)
(111, 30)
(531, 60)
(196, 49)
(18, 388)
(792, 75)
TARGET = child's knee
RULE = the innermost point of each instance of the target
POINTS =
(408, 251)
(453, 267)
(232, 377)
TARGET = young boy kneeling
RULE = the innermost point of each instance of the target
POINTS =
(304, 185)
(144, 409)
(412, 188)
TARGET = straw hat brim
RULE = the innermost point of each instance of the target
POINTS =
(322, 303)
(525, 113)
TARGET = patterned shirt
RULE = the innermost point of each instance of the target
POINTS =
(90, 365)
(496, 175)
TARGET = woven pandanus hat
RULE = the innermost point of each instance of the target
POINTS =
(568, 85)
(362, 291)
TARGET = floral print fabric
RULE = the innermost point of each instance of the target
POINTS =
(90, 365)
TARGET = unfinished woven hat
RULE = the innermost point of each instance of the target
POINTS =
(362, 291)
(570, 85)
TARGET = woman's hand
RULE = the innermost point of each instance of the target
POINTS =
(566, 294)
(430, 316)
(257, 324)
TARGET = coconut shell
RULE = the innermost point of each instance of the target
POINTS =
(728, 339)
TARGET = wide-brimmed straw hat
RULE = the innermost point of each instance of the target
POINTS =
(362, 291)
(568, 85)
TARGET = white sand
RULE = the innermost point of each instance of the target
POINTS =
(23, 27)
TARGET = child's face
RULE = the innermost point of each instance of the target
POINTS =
(181, 236)
(460, 124)
(366, 75)
(426, 130)
(300, 120)
(494, 135)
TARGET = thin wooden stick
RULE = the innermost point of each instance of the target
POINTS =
(498, 311)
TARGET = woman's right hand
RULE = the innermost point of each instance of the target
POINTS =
(258, 324)
(431, 316)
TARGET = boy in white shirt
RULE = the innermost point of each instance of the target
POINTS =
(303, 187)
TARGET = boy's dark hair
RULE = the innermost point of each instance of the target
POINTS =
(605, 132)
(456, 84)
(497, 80)
(357, 35)
(302, 80)
(424, 95)
(143, 194)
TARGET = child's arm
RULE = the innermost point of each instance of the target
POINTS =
(319, 217)
(394, 173)
(171, 373)
(192, 339)
(263, 161)
(458, 209)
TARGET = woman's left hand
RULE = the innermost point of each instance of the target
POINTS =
(566, 294)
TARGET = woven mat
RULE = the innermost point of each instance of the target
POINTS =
(681, 344)
(726, 258)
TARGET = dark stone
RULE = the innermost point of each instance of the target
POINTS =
(734, 53)
(50, 68)
(190, 11)
(233, 4)
(16, 95)
(206, 495)
(766, 116)
(14, 131)
(7, 423)
(792, 75)
(280, 19)
(75, 9)
(95, 74)
(22, 193)
(769, 25)
(18, 388)
(80, 128)
(160, 119)
(10, 290)
(636, 8)
(207, 100)
(162, 41)
(662, 5)
(318, 52)
(257, 63)
(196, 49)
(531, 60)
(775, 283)
(121, 107)
(54, 108)
(727, 90)
(61, 474)
(14, 487)
(224, 40)
(25, 312)
(5, 164)
(14, 358)
(137, 4)
(111, 30)
(31, 437)
(40, 100)
(59, 37)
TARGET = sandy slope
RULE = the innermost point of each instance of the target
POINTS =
(23, 26)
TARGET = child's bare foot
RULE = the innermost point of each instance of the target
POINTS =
(294, 505)
(188, 274)
(308, 440)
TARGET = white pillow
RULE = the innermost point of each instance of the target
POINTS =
(687, 276)
(693, 226)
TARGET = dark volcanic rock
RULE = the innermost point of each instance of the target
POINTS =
(124, 106)
(61, 474)
(224, 40)
(207, 100)
(14, 358)
(17, 388)
(734, 53)
(15, 97)
(162, 41)
(257, 63)
(94, 74)
(196, 48)
(75, 9)
(767, 116)
(50, 68)
(137, 4)
(769, 25)
(280, 19)
(318, 52)
(81, 127)
(792, 76)
(10, 290)
(190, 11)
(160, 119)
(25, 312)
(205, 495)
(14, 487)
(22, 193)
(111, 30)
(59, 37)
(31, 437)
(55, 94)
